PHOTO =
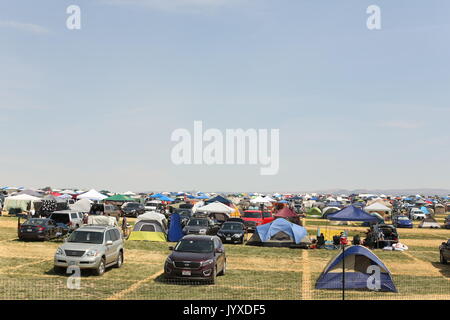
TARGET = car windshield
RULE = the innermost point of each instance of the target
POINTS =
(403, 218)
(198, 222)
(232, 226)
(253, 215)
(131, 205)
(34, 222)
(198, 246)
(86, 237)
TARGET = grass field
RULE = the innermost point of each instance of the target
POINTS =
(26, 271)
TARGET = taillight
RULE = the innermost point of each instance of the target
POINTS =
(40, 228)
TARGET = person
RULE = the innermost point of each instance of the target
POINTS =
(357, 240)
(85, 218)
(343, 239)
(124, 226)
(320, 241)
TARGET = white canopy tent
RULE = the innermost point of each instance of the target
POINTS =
(377, 207)
(260, 199)
(215, 207)
(92, 195)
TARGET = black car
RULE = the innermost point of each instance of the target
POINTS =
(201, 226)
(447, 222)
(232, 232)
(133, 209)
(381, 235)
(39, 229)
(196, 258)
(444, 252)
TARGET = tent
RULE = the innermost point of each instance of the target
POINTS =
(351, 213)
(279, 233)
(92, 195)
(148, 229)
(378, 208)
(216, 207)
(23, 202)
(83, 205)
(359, 263)
(175, 228)
(31, 193)
(219, 198)
(429, 222)
(119, 198)
(288, 214)
(260, 199)
(326, 211)
(314, 212)
(153, 215)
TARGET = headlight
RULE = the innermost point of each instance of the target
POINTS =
(91, 253)
(236, 235)
(205, 263)
(202, 231)
(169, 261)
(219, 234)
(60, 252)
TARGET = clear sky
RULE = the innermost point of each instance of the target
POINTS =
(96, 107)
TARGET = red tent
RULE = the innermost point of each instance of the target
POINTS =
(286, 213)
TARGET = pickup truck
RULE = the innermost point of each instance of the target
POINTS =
(254, 218)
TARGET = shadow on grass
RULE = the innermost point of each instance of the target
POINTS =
(444, 269)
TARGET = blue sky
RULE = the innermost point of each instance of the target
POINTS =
(95, 107)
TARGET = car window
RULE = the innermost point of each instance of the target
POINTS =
(108, 236)
(74, 216)
(118, 236)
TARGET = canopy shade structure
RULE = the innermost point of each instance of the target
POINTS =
(23, 202)
(376, 206)
(31, 193)
(216, 207)
(351, 213)
(219, 198)
(83, 205)
(359, 263)
(161, 197)
(92, 195)
(129, 193)
(260, 199)
(120, 198)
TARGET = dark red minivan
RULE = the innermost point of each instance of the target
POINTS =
(196, 257)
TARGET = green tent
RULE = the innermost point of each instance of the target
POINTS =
(119, 197)
(314, 212)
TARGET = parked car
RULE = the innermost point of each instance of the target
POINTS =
(39, 229)
(233, 232)
(417, 214)
(402, 222)
(381, 235)
(447, 222)
(105, 210)
(66, 219)
(202, 226)
(185, 215)
(133, 209)
(91, 247)
(444, 252)
(254, 218)
(196, 258)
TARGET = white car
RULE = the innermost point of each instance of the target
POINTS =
(417, 214)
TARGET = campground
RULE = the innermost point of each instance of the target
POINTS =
(26, 271)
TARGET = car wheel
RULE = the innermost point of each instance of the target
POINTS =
(119, 262)
(58, 270)
(101, 268)
(443, 260)
(224, 270)
(214, 275)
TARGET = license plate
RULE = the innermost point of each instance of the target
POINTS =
(29, 230)
(186, 272)
(72, 263)
(228, 238)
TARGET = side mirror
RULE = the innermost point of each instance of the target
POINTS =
(171, 248)
(109, 243)
(219, 250)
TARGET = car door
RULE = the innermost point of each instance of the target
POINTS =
(109, 248)
(446, 250)
(219, 256)
(117, 243)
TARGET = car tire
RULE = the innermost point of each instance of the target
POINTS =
(443, 260)
(224, 270)
(119, 262)
(214, 276)
(58, 270)
(100, 270)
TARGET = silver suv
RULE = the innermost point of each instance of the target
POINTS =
(91, 247)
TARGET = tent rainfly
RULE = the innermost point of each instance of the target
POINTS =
(92, 195)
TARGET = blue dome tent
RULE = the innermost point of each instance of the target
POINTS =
(357, 260)
(279, 233)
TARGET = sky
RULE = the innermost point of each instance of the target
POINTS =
(96, 107)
